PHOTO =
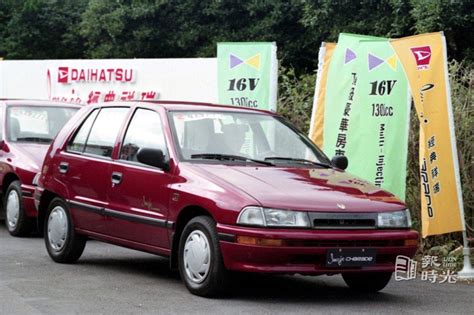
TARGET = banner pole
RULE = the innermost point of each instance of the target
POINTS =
(322, 52)
(467, 272)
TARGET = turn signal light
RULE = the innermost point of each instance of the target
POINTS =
(249, 240)
(411, 242)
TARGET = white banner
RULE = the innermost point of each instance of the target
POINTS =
(99, 80)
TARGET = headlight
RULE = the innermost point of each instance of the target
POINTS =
(397, 219)
(273, 217)
(251, 216)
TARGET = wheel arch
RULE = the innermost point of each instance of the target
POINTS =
(7, 180)
(185, 215)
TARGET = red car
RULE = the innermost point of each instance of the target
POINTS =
(27, 129)
(216, 189)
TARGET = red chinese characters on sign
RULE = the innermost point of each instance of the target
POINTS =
(148, 95)
(127, 95)
(109, 97)
(95, 96)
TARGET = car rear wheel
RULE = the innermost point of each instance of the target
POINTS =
(367, 282)
(200, 261)
(63, 244)
(18, 224)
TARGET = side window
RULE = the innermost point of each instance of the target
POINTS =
(145, 131)
(104, 132)
(78, 143)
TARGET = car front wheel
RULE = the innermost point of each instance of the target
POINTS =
(63, 244)
(18, 224)
(367, 282)
(200, 262)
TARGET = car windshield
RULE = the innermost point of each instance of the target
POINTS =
(38, 124)
(243, 137)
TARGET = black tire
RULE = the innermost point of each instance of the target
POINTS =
(20, 224)
(73, 244)
(367, 282)
(216, 281)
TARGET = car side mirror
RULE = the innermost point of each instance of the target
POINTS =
(153, 157)
(340, 161)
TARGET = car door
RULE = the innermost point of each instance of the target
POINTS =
(84, 167)
(139, 194)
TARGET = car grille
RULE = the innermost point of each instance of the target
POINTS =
(326, 220)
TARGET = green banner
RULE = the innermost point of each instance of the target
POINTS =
(367, 111)
(247, 74)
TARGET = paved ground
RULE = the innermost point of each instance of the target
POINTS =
(113, 280)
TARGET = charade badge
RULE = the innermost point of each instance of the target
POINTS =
(341, 206)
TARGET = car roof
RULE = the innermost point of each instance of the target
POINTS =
(185, 105)
(28, 102)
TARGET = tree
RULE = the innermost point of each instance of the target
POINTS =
(43, 29)
(36, 29)
(455, 18)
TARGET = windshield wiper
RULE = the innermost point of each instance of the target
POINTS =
(34, 139)
(304, 161)
(223, 157)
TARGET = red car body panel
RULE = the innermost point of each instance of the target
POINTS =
(144, 210)
(23, 160)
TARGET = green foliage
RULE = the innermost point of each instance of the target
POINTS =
(462, 89)
(329, 18)
(36, 29)
(455, 18)
(295, 98)
(41, 29)
(184, 28)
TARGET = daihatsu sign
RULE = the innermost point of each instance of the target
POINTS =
(106, 80)
(68, 75)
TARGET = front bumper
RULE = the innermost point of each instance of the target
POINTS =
(304, 251)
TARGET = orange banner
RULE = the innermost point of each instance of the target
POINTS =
(317, 117)
(424, 60)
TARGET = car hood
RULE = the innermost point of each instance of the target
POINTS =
(29, 155)
(311, 189)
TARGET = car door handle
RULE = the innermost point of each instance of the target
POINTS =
(63, 167)
(116, 178)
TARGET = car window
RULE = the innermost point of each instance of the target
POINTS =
(104, 131)
(36, 124)
(250, 135)
(78, 143)
(145, 131)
